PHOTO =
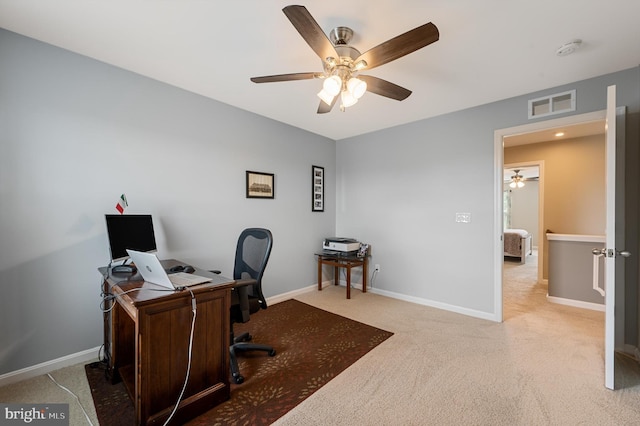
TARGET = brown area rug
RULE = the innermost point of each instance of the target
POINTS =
(313, 346)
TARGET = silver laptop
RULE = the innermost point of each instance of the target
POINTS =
(152, 271)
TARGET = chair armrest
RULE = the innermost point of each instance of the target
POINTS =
(244, 283)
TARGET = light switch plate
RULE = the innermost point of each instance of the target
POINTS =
(463, 217)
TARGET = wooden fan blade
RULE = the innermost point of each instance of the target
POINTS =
(385, 88)
(324, 108)
(310, 31)
(286, 77)
(400, 46)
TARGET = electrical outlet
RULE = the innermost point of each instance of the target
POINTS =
(377, 268)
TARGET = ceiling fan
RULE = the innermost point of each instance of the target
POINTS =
(342, 62)
(517, 180)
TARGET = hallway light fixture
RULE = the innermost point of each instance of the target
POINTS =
(517, 180)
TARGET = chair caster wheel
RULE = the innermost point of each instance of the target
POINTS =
(272, 352)
(238, 379)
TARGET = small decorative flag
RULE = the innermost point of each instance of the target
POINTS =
(122, 204)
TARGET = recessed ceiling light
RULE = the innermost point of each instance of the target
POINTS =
(559, 134)
(569, 48)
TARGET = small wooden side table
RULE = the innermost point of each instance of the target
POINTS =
(339, 260)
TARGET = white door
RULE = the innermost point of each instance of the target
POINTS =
(613, 282)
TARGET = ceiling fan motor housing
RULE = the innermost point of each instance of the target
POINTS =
(340, 38)
(341, 35)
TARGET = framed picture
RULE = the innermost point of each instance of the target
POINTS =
(260, 185)
(317, 189)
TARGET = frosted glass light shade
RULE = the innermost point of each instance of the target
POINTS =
(348, 99)
(357, 87)
(332, 85)
(327, 98)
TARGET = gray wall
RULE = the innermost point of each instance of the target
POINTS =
(76, 133)
(400, 188)
(571, 271)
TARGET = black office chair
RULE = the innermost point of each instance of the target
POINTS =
(252, 254)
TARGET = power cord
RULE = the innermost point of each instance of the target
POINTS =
(186, 379)
(373, 278)
(110, 296)
(74, 395)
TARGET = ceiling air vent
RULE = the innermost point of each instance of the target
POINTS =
(552, 104)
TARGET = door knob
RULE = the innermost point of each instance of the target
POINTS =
(605, 252)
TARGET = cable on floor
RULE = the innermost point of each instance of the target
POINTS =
(72, 394)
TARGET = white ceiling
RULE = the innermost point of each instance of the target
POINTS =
(488, 50)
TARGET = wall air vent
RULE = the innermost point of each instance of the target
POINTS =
(552, 104)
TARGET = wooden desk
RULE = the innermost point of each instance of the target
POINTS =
(147, 338)
(341, 261)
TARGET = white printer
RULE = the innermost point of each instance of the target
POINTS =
(340, 244)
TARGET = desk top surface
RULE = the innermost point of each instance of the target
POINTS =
(139, 291)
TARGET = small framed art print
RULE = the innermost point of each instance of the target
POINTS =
(317, 189)
(260, 185)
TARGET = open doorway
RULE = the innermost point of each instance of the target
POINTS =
(614, 281)
(529, 134)
(523, 286)
(523, 209)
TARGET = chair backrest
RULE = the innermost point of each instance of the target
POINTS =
(252, 254)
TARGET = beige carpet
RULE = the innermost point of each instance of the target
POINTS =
(42, 390)
(542, 366)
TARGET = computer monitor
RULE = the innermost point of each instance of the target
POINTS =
(129, 231)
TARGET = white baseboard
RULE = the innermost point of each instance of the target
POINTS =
(357, 286)
(291, 294)
(438, 305)
(419, 301)
(49, 366)
(576, 303)
(631, 351)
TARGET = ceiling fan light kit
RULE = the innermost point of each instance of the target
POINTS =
(342, 62)
(517, 180)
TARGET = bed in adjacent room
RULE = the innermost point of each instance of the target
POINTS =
(517, 244)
